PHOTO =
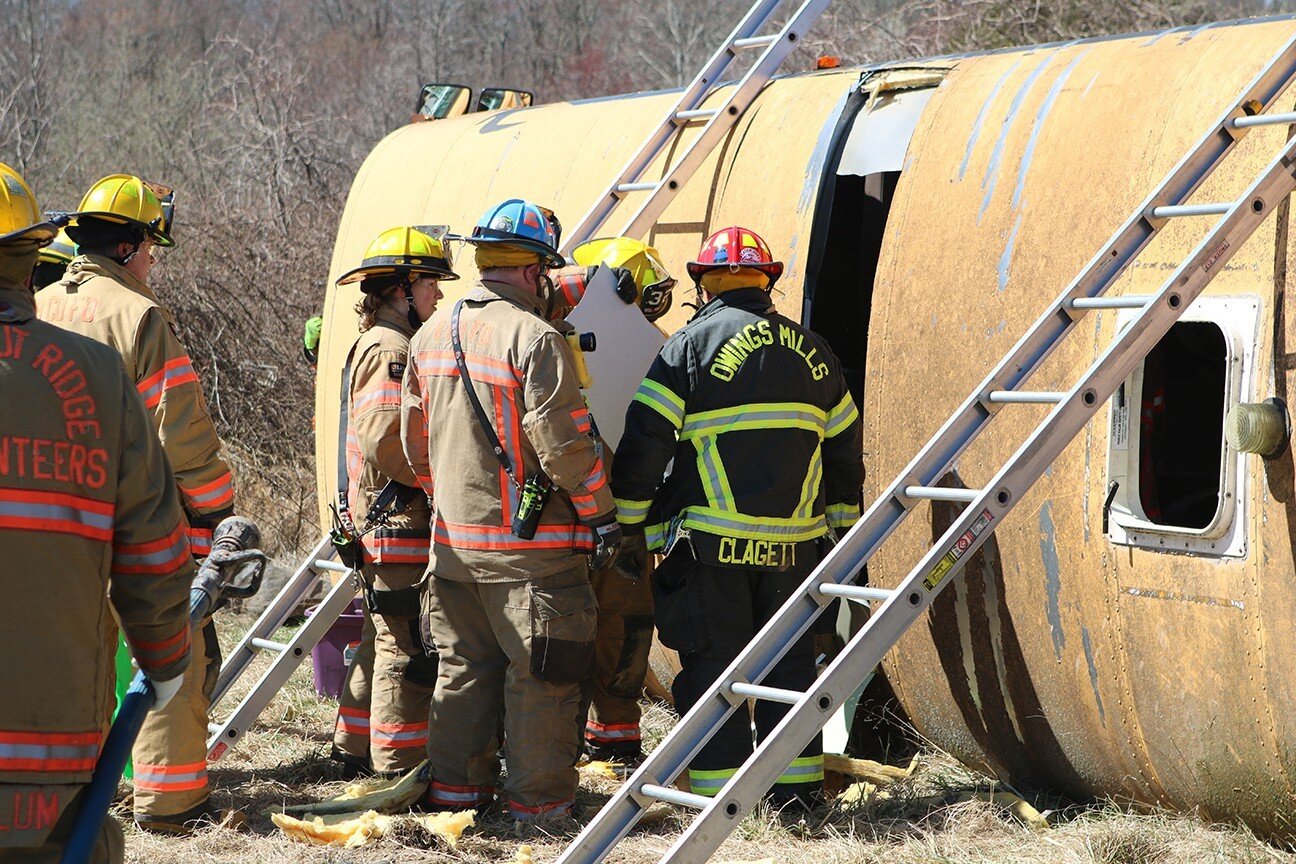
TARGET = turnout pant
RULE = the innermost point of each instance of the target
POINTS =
(170, 753)
(16, 801)
(383, 711)
(709, 614)
(625, 628)
(526, 648)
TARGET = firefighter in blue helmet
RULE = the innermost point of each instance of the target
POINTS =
(740, 530)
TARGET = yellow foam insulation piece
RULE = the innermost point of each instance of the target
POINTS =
(866, 769)
(861, 793)
(523, 855)
(1020, 810)
(356, 829)
(390, 796)
(448, 826)
(338, 829)
(606, 770)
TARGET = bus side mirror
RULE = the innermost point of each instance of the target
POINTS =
(439, 101)
(502, 99)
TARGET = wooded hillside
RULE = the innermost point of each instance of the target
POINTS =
(259, 112)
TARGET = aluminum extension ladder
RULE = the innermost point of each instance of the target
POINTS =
(719, 119)
(226, 734)
(986, 508)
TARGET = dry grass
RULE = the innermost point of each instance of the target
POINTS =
(285, 760)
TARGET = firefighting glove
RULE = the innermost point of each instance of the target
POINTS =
(632, 558)
(311, 339)
(163, 691)
(626, 288)
(607, 538)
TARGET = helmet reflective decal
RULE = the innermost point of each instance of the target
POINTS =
(502, 223)
(14, 187)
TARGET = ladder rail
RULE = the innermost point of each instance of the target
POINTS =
(230, 731)
(734, 106)
(891, 507)
(979, 520)
(690, 98)
(271, 619)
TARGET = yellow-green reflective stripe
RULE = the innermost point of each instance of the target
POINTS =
(841, 417)
(807, 769)
(714, 480)
(764, 415)
(655, 535)
(631, 512)
(810, 488)
(841, 515)
(710, 783)
(791, 530)
(661, 400)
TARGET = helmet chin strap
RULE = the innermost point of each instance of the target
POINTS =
(411, 312)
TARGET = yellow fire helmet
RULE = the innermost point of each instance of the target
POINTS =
(407, 249)
(20, 217)
(129, 200)
(61, 251)
(643, 262)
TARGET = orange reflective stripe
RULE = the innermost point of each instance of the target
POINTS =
(211, 496)
(398, 550)
(72, 752)
(396, 736)
(157, 557)
(56, 513)
(200, 541)
(171, 778)
(353, 720)
(581, 416)
(500, 537)
(484, 370)
(388, 394)
(175, 373)
(572, 287)
(155, 655)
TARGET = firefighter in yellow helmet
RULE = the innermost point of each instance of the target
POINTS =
(493, 416)
(53, 261)
(93, 532)
(625, 607)
(382, 722)
(105, 294)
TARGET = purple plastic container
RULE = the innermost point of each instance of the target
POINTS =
(332, 655)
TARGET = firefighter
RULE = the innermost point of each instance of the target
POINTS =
(53, 261)
(499, 436)
(121, 223)
(93, 537)
(383, 713)
(740, 530)
(625, 610)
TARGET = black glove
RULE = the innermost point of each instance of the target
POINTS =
(632, 558)
(607, 537)
(626, 288)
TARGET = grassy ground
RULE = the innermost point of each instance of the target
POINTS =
(927, 818)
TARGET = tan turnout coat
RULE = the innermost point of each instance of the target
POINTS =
(523, 374)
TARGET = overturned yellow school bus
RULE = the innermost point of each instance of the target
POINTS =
(1128, 631)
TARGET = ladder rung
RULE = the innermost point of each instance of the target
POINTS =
(213, 727)
(331, 566)
(1027, 397)
(1130, 301)
(753, 42)
(637, 187)
(1262, 120)
(769, 694)
(1170, 211)
(942, 493)
(268, 645)
(696, 114)
(675, 796)
(858, 593)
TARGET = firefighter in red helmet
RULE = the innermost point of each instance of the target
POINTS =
(739, 531)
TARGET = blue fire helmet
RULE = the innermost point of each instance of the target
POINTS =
(524, 225)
